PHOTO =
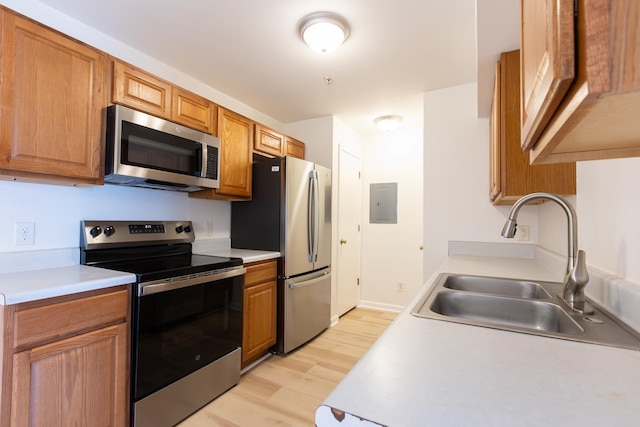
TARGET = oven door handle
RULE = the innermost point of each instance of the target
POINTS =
(164, 285)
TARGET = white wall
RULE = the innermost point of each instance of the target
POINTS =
(391, 252)
(317, 135)
(609, 215)
(456, 177)
(58, 210)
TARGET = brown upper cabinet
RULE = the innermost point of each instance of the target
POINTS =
(142, 91)
(236, 135)
(268, 141)
(294, 148)
(511, 175)
(52, 99)
(580, 84)
(272, 143)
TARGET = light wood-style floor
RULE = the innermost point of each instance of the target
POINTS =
(285, 390)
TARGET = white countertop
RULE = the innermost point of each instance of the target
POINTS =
(30, 276)
(437, 373)
(222, 247)
(23, 286)
(247, 255)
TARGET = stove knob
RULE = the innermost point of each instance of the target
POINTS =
(108, 231)
(95, 231)
(179, 229)
(187, 229)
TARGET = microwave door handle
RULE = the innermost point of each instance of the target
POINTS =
(201, 159)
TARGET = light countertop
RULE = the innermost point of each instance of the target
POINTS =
(30, 276)
(222, 247)
(24, 286)
(247, 255)
(430, 372)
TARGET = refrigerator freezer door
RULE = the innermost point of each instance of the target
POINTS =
(307, 308)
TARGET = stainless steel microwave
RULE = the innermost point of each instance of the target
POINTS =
(147, 151)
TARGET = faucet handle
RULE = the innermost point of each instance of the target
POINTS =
(579, 274)
(574, 284)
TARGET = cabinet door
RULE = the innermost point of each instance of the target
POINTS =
(53, 97)
(259, 320)
(294, 148)
(268, 141)
(80, 381)
(236, 144)
(141, 91)
(194, 111)
(512, 176)
(547, 62)
(259, 310)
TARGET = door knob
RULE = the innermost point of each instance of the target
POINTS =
(342, 241)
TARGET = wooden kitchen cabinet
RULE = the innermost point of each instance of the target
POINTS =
(580, 99)
(142, 91)
(259, 310)
(53, 91)
(511, 175)
(268, 141)
(236, 135)
(66, 360)
(294, 148)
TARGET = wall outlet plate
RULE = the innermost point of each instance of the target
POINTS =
(25, 233)
(522, 233)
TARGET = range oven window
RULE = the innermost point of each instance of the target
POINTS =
(182, 330)
(149, 148)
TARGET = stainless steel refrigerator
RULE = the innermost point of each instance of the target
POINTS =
(290, 212)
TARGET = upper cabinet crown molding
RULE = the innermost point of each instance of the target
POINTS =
(597, 117)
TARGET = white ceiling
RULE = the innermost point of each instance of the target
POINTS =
(251, 51)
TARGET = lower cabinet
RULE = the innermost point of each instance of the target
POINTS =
(65, 361)
(259, 310)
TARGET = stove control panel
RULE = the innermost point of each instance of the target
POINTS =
(97, 234)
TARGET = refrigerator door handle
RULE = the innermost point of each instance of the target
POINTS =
(310, 217)
(294, 285)
(316, 218)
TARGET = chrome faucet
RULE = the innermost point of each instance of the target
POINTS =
(576, 276)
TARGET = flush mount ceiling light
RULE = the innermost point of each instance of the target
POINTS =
(324, 31)
(388, 123)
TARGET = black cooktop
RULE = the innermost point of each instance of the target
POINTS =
(152, 250)
(170, 266)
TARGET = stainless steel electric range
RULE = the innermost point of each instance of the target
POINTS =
(186, 315)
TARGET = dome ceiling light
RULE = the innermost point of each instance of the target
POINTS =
(388, 123)
(324, 32)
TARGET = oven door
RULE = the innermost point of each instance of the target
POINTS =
(182, 325)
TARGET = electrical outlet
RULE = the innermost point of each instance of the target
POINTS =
(522, 233)
(208, 228)
(400, 286)
(25, 233)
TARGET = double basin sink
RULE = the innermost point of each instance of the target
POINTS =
(520, 306)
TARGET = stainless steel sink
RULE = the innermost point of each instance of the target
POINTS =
(499, 286)
(509, 312)
(520, 306)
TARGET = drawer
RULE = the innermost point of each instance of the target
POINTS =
(260, 272)
(39, 323)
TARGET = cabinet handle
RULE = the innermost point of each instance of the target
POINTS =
(342, 241)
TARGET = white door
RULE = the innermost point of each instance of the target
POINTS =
(349, 217)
